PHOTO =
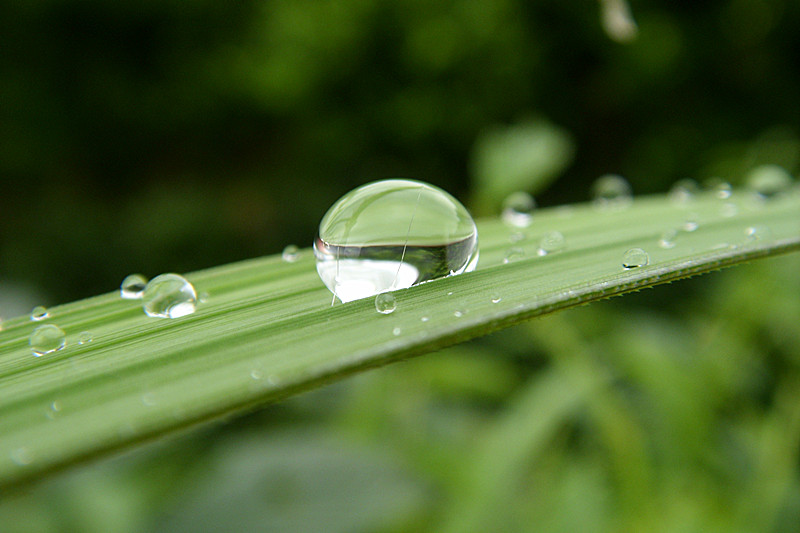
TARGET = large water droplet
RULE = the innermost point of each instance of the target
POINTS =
(385, 303)
(767, 181)
(169, 296)
(518, 209)
(611, 191)
(392, 234)
(552, 242)
(39, 313)
(635, 257)
(291, 253)
(47, 339)
(132, 287)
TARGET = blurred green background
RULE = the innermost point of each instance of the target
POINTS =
(173, 136)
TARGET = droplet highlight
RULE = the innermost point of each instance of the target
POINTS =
(635, 257)
(513, 254)
(518, 208)
(39, 313)
(133, 286)
(385, 303)
(169, 296)
(393, 234)
(611, 191)
(551, 242)
(47, 339)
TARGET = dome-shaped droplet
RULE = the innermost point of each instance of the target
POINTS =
(690, 224)
(719, 187)
(768, 180)
(85, 337)
(291, 253)
(667, 239)
(683, 191)
(390, 235)
(132, 287)
(385, 303)
(46, 339)
(635, 257)
(518, 209)
(513, 254)
(169, 296)
(551, 242)
(611, 191)
(39, 313)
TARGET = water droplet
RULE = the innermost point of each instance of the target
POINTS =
(385, 303)
(721, 188)
(611, 191)
(513, 254)
(518, 209)
(55, 406)
(392, 234)
(551, 242)
(46, 339)
(424, 319)
(496, 298)
(291, 253)
(458, 314)
(132, 287)
(202, 297)
(256, 374)
(39, 313)
(85, 337)
(635, 257)
(757, 233)
(767, 181)
(667, 239)
(683, 191)
(149, 399)
(396, 331)
(22, 456)
(169, 296)
(517, 236)
(690, 224)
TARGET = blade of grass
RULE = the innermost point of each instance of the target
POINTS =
(268, 330)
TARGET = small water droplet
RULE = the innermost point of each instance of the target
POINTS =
(169, 296)
(385, 303)
(458, 314)
(517, 236)
(256, 374)
(690, 224)
(424, 319)
(393, 234)
(683, 191)
(667, 239)
(552, 242)
(85, 337)
(450, 293)
(149, 399)
(202, 297)
(291, 253)
(39, 313)
(496, 299)
(611, 191)
(132, 287)
(396, 331)
(47, 339)
(518, 209)
(721, 188)
(767, 181)
(513, 254)
(635, 257)
(55, 406)
(22, 456)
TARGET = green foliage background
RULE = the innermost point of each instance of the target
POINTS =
(173, 136)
